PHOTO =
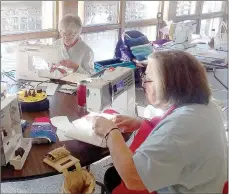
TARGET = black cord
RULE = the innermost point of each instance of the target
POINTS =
(106, 136)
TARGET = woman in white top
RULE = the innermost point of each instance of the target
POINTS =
(183, 151)
(76, 54)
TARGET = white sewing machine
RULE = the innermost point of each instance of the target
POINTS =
(30, 56)
(11, 134)
(114, 90)
(181, 34)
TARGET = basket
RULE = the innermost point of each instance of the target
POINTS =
(87, 177)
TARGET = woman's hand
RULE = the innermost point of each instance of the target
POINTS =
(127, 124)
(102, 126)
(69, 64)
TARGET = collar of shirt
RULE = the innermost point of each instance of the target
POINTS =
(71, 45)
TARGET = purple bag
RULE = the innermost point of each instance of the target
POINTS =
(122, 50)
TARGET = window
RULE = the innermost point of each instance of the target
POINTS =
(212, 6)
(102, 43)
(149, 31)
(185, 8)
(208, 17)
(140, 10)
(209, 24)
(8, 52)
(98, 12)
(26, 16)
(102, 25)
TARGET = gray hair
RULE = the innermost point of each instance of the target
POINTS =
(70, 22)
(179, 78)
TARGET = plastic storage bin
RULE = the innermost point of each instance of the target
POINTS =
(100, 65)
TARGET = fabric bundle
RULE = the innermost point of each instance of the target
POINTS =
(142, 52)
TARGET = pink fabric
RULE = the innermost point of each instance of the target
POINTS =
(42, 119)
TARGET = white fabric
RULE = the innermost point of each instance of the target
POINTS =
(80, 54)
(151, 112)
(186, 153)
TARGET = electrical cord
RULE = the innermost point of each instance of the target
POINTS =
(9, 75)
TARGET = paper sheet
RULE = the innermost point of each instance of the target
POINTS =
(83, 131)
(61, 123)
(50, 88)
(62, 136)
(205, 52)
(80, 129)
(75, 77)
(68, 87)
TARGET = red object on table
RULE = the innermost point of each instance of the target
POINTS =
(110, 111)
(81, 94)
(111, 69)
(42, 119)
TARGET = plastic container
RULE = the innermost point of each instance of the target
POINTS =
(100, 65)
(81, 94)
(26, 144)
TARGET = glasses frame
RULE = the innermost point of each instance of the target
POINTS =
(144, 79)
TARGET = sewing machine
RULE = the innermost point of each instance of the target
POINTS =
(181, 35)
(30, 56)
(14, 148)
(114, 89)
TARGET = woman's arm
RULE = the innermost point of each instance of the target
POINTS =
(123, 161)
(128, 124)
(69, 64)
(88, 62)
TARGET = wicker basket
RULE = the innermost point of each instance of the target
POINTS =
(87, 177)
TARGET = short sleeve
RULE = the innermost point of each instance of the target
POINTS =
(158, 162)
(88, 62)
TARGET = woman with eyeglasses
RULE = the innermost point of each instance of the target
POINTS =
(182, 151)
(76, 54)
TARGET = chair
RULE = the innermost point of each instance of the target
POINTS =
(105, 191)
(123, 52)
(103, 188)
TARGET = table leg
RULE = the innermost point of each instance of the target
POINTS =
(88, 168)
(103, 190)
(214, 71)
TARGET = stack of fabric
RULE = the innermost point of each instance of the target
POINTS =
(140, 47)
(141, 52)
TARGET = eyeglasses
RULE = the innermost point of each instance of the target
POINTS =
(68, 35)
(145, 79)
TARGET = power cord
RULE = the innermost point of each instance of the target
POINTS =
(9, 74)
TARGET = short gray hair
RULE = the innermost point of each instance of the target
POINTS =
(70, 22)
